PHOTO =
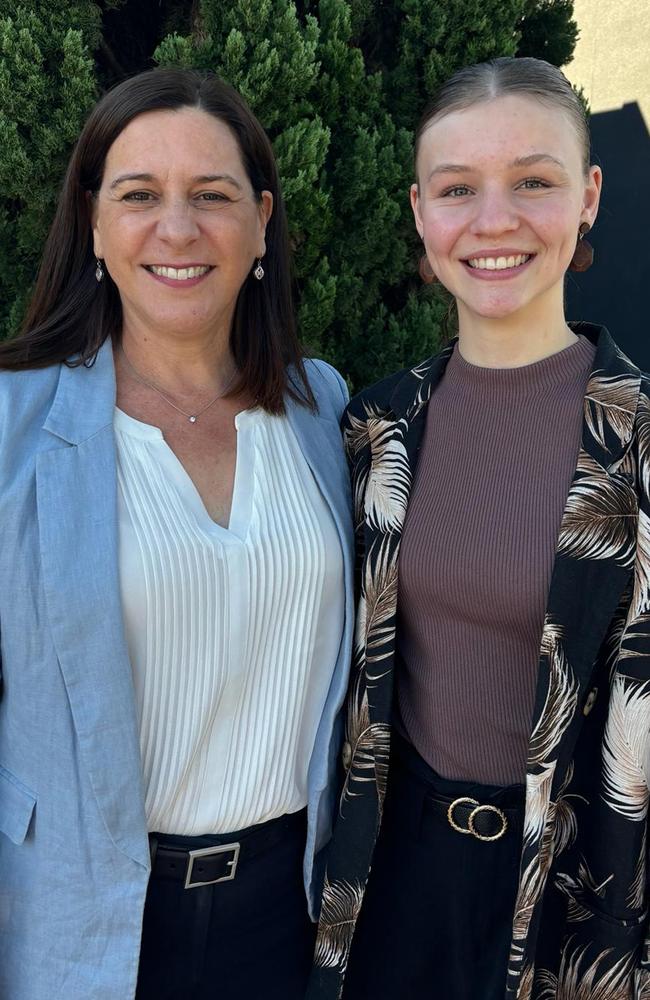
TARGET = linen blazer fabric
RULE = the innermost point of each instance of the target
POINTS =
(580, 927)
(74, 853)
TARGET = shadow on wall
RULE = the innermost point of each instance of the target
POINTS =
(615, 289)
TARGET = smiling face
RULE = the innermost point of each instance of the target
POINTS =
(501, 193)
(177, 223)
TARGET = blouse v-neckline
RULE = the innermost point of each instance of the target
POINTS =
(243, 483)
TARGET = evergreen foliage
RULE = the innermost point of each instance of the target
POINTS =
(548, 31)
(47, 83)
(338, 84)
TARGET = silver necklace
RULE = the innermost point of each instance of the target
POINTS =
(192, 417)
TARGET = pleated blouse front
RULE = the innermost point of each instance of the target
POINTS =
(233, 633)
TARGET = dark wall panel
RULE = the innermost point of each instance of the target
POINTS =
(616, 289)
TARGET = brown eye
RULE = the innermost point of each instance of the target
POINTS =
(138, 196)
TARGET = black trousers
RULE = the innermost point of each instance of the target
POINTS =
(437, 915)
(246, 939)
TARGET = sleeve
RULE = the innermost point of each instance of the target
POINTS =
(337, 385)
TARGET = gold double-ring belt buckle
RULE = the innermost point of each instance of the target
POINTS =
(472, 816)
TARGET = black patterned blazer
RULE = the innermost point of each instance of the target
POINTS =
(580, 928)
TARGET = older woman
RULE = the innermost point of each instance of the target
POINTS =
(174, 570)
(502, 492)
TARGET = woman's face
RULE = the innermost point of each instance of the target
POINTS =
(177, 223)
(501, 193)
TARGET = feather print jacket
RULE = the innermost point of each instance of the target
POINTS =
(580, 927)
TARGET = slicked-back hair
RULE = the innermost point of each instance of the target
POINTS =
(509, 76)
(71, 315)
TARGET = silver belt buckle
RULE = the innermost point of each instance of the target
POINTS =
(205, 852)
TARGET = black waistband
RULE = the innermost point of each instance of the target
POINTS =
(213, 858)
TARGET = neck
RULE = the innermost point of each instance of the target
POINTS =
(513, 341)
(181, 364)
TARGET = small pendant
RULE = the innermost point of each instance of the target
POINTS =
(192, 420)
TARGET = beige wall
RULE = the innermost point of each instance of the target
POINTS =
(612, 57)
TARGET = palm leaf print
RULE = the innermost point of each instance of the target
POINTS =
(379, 591)
(641, 594)
(341, 906)
(642, 984)
(610, 405)
(525, 990)
(531, 887)
(389, 480)
(600, 520)
(626, 749)
(370, 744)
(643, 434)
(423, 394)
(636, 893)
(580, 891)
(573, 982)
(566, 823)
(355, 435)
(538, 800)
(560, 703)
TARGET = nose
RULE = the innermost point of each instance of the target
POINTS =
(494, 213)
(176, 223)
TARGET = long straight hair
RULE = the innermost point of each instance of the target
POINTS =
(71, 315)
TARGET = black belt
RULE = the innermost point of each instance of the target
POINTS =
(199, 861)
(458, 804)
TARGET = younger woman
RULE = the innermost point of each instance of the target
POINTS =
(503, 643)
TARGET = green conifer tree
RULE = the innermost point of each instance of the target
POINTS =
(46, 86)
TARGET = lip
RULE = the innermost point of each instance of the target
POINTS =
(179, 264)
(505, 273)
(497, 252)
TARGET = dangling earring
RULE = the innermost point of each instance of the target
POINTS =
(583, 255)
(426, 272)
(259, 270)
(99, 270)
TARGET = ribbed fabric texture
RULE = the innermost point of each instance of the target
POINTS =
(498, 456)
(232, 633)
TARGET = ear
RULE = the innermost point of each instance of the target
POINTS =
(265, 211)
(97, 240)
(415, 205)
(591, 198)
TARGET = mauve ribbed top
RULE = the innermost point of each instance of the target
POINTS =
(497, 459)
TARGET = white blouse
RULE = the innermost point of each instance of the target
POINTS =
(233, 633)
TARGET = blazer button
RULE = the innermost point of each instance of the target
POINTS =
(346, 755)
(590, 701)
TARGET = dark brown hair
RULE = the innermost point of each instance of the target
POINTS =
(525, 77)
(70, 315)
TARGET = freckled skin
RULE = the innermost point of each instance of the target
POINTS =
(534, 208)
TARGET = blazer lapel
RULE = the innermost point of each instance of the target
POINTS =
(77, 513)
(321, 446)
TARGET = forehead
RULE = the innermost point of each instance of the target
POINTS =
(159, 141)
(500, 130)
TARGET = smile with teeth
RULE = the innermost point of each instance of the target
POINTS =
(178, 273)
(498, 263)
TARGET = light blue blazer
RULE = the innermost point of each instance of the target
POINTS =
(74, 856)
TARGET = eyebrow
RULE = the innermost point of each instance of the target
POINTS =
(520, 161)
(201, 179)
